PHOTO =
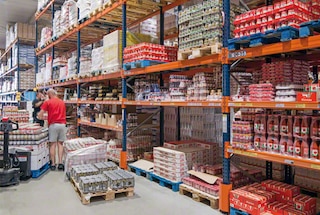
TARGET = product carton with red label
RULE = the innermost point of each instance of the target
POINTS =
(247, 201)
(304, 203)
(277, 208)
(292, 211)
(284, 192)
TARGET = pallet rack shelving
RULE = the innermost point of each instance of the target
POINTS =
(18, 67)
(78, 36)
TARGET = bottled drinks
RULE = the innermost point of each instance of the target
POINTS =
(297, 147)
(314, 149)
(305, 148)
(297, 127)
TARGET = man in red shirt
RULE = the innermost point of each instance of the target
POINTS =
(57, 126)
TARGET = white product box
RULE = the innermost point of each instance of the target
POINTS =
(112, 50)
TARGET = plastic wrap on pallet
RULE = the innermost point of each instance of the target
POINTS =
(73, 13)
(97, 60)
(63, 73)
(48, 70)
(27, 80)
(84, 151)
(72, 66)
(112, 50)
(84, 7)
(57, 21)
(93, 183)
(46, 34)
(95, 4)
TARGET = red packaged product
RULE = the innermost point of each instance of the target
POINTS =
(314, 149)
(277, 208)
(248, 202)
(292, 211)
(304, 203)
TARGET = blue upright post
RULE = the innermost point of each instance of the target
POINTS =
(53, 49)
(123, 157)
(78, 71)
(161, 78)
(18, 64)
(36, 64)
(225, 186)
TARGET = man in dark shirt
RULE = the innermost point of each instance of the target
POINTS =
(36, 104)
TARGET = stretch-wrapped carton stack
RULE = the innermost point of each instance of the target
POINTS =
(95, 4)
(196, 151)
(84, 151)
(72, 66)
(27, 80)
(97, 60)
(57, 29)
(84, 7)
(46, 34)
(19, 30)
(170, 164)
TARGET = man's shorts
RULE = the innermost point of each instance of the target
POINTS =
(57, 133)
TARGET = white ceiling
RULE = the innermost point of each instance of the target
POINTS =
(12, 11)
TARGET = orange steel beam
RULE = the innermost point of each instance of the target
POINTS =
(284, 159)
(113, 75)
(189, 73)
(97, 125)
(100, 102)
(215, 58)
(311, 42)
(38, 15)
(9, 48)
(277, 105)
(176, 104)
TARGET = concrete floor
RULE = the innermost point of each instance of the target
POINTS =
(52, 195)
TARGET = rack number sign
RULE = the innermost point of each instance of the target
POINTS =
(236, 54)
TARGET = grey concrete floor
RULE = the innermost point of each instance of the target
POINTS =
(52, 195)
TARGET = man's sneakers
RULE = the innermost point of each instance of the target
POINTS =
(61, 167)
(53, 167)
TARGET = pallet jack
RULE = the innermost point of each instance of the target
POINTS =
(9, 167)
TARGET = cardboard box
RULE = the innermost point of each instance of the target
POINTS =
(304, 203)
(277, 208)
(292, 211)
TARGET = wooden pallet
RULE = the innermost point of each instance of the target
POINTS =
(199, 196)
(71, 78)
(199, 52)
(86, 198)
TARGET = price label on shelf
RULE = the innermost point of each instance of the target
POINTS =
(127, 72)
(279, 105)
(287, 161)
(300, 105)
(315, 166)
(194, 104)
(236, 54)
(248, 104)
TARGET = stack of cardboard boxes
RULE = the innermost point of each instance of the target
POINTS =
(19, 30)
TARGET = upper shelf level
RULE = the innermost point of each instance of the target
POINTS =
(105, 20)
(39, 14)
